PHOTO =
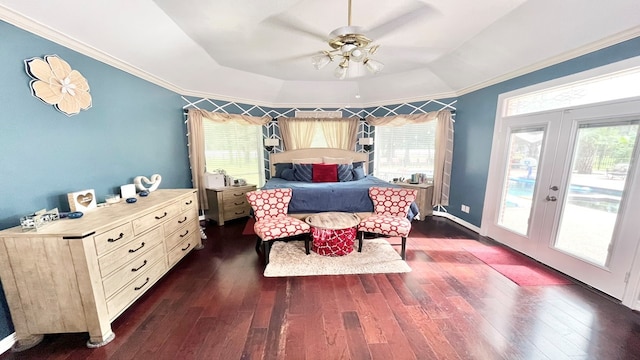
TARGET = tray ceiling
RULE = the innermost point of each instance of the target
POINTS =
(259, 51)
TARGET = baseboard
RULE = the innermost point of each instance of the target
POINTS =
(457, 220)
(7, 343)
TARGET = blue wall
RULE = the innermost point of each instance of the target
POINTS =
(134, 128)
(475, 117)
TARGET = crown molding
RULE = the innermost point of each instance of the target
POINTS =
(589, 48)
(51, 34)
(57, 37)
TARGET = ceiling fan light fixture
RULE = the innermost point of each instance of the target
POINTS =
(373, 65)
(357, 54)
(321, 60)
(347, 48)
(340, 72)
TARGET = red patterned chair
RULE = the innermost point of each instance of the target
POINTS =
(390, 207)
(270, 209)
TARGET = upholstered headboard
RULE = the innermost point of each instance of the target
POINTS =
(288, 156)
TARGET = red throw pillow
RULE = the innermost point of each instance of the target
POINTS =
(325, 173)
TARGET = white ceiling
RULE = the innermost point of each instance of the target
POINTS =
(259, 51)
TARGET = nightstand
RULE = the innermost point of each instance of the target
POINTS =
(423, 200)
(228, 203)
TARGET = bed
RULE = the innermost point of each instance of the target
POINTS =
(314, 197)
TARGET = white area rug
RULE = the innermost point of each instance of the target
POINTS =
(377, 256)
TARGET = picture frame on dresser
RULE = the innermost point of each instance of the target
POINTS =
(86, 272)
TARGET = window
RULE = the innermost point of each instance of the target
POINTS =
(235, 148)
(401, 151)
(319, 140)
(613, 86)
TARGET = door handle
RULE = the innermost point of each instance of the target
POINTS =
(554, 188)
(551, 198)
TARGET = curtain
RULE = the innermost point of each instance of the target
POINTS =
(195, 137)
(443, 151)
(341, 133)
(195, 134)
(296, 133)
(443, 157)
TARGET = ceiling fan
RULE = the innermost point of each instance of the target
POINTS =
(349, 45)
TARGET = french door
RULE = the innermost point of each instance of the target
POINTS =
(561, 190)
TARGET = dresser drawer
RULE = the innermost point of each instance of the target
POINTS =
(150, 220)
(129, 251)
(234, 212)
(113, 239)
(135, 289)
(179, 221)
(232, 194)
(182, 249)
(235, 201)
(179, 235)
(131, 270)
(188, 203)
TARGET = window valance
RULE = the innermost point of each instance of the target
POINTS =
(222, 117)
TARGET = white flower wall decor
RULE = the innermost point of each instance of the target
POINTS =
(55, 83)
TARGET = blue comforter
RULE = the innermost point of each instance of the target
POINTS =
(349, 196)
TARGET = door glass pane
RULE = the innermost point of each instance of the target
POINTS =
(520, 179)
(601, 160)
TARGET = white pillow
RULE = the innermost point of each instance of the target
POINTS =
(332, 160)
(307, 161)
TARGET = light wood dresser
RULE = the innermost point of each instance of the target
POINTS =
(77, 275)
(423, 200)
(228, 203)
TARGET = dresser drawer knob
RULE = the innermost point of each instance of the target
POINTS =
(183, 220)
(189, 202)
(241, 194)
(116, 239)
(188, 246)
(241, 212)
(134, 250)
(160, 217)
(185, 234)
(240, 203)
(141, 286)
(139, 267)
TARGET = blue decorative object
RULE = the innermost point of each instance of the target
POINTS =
(143, 193)
(75, 215)
(131, 200)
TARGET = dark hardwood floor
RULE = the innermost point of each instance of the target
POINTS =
(217, 305)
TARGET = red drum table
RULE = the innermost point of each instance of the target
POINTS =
(333, 232)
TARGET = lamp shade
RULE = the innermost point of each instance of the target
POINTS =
(357, 54)
(365, 141)
(271, 142)
(373, 65)
(340, 72)
(321, 60)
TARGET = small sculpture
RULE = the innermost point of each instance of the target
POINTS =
(154, 182)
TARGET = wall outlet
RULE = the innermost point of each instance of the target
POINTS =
(465, 209)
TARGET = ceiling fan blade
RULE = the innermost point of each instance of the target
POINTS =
(306, 57)
(418, 54)
(289, 23)
(411, 14)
